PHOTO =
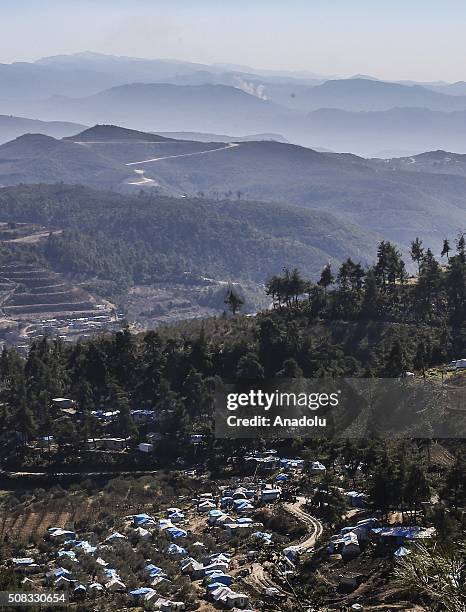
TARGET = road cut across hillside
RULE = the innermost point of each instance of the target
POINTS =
(230, 145)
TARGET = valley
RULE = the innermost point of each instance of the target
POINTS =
(196, 254)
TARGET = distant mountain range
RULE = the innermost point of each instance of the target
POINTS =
(164, 107)
(362, 116)
(409, 129)
(205, 137)
(87, 73)
(369, 95)
(397, 199)
(12, 127)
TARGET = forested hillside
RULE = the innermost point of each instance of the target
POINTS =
(394, 199)
(356, 322)
(142, 238)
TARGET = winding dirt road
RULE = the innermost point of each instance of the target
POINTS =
(259, 579)
(314, 526)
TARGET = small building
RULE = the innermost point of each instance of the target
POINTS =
(146, 447)
(166, 605)
(95, 588)
(270, 495)
(112, 444)
(229, 598)
(79, 591)
(63, 402)
(214, 516)
(192, 567)
(346, 544)
(143, 534)
(458, 364)
(356, 499)
(115, 585)
(205, 506)
(64, 583)
(114, 537)
(58, 534)
(317, 468)
(396, 536)
(25, 565)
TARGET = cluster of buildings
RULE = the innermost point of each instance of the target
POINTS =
(210, 570)
(167, 534)
(69, 328)
(351, 541)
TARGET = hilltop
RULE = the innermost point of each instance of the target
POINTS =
(386, 198)
(434, 162)
(36, 158)
(11, 127)
(102, 133)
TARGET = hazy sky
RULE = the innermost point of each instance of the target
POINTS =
(394, 39)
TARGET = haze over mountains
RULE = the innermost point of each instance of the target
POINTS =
(154, 171)
(175, 113)
(405, 197)
(12, 127)
(362, 115)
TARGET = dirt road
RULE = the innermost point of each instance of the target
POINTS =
(230, 145)
(314, 526)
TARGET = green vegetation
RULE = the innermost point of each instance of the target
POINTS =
(355, 322)
(141, 239)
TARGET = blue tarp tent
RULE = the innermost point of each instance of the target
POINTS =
(175, 532)
(267, 537)
(226, 502)
(217, 576)
(141, 591)
(67, 553)
(154, 571)
(214, 585)
(111, 573)
(116, 536)
(84, 546)
(241, 505)
(291, 553)
(174, 549)
(142, 519)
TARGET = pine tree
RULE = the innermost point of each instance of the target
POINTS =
(326, 278)
(446, 249)
(233, 300)
(460, 248)
(371, 298)
(417, 252)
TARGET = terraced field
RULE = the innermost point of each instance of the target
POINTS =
(29, 292)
